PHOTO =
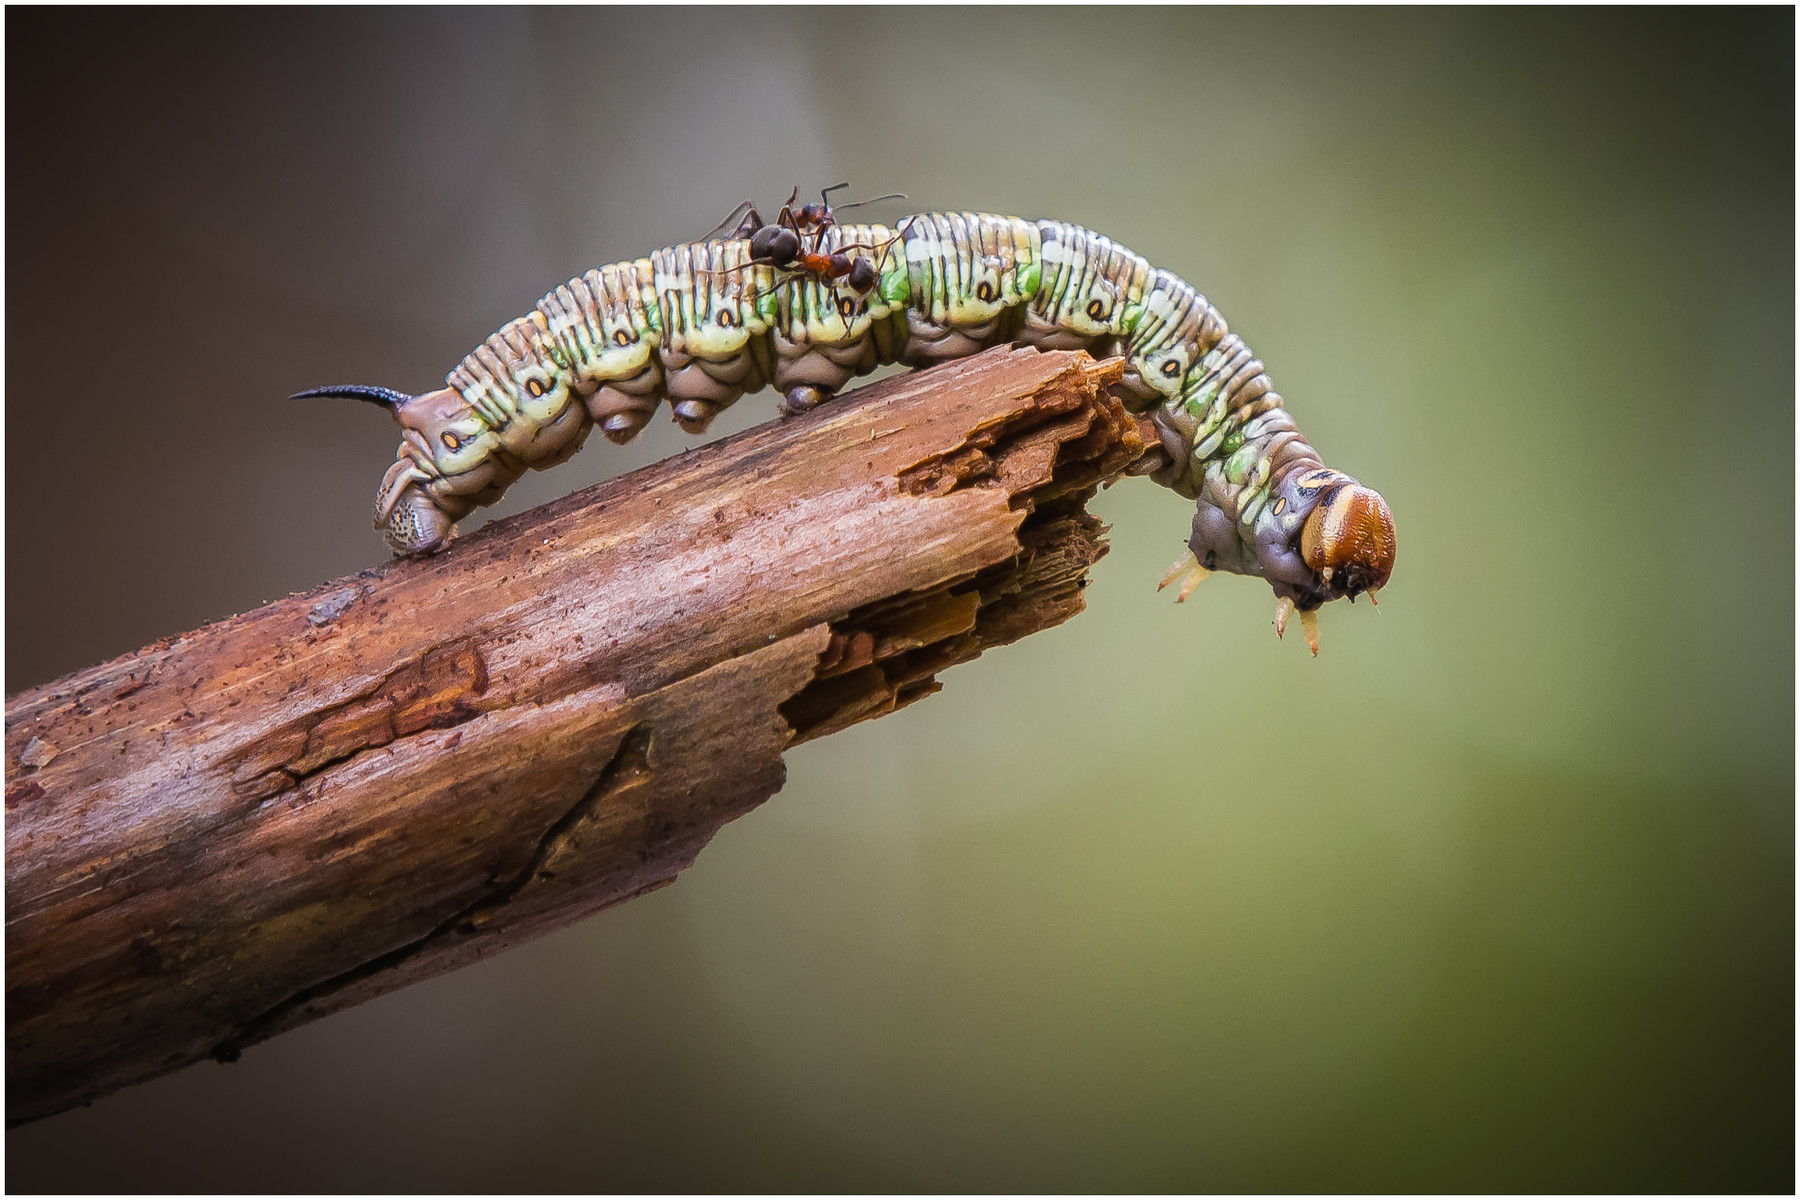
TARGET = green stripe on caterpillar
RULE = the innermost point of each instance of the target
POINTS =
(703, 323)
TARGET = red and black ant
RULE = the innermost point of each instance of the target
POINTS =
(783, 244)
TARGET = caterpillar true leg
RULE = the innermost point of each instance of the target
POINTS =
(1188, 570)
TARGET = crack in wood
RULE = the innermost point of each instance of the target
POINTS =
(439, 689)
(630, 761)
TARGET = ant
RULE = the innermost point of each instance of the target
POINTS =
(783, 246)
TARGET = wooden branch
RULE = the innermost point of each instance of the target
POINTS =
(235, 831)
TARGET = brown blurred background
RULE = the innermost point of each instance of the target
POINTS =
(1497, 894)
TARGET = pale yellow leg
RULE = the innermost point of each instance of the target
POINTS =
(1187, 568)
(1309, 622)
(1284, 608)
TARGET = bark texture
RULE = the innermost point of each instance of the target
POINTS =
(238, 830)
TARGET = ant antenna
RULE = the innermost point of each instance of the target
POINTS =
(870, 200)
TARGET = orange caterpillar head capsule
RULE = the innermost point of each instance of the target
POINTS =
(1348, 539)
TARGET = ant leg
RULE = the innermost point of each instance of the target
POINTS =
(848, 246)
(743, 215)
(785, 219)
(743, 266)
(750, 224)
(888, 247)
(750, 297)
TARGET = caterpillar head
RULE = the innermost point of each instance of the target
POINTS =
(1325, 537)
(1348, 539)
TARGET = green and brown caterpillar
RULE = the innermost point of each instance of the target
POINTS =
(807, 304)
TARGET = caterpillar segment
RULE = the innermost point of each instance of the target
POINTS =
(712, 297)
(965, 271)
(702, 323)
(606, 325)
(1091, 292)
(823, 335)
(1176, 329)
(520, 383)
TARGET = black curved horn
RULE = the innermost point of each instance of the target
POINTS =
(386, 397)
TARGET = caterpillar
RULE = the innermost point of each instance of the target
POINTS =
(702, 323)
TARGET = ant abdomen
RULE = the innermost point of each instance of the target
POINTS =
(775, 245)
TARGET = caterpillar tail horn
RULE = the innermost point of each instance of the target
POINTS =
(387, 398)
(412, 520)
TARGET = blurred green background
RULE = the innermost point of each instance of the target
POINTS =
(1497, 894)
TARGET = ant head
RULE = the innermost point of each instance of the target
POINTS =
(774, 244)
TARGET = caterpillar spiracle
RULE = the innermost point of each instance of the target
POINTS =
(703, 323)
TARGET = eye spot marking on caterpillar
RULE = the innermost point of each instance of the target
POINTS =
(622, 338)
